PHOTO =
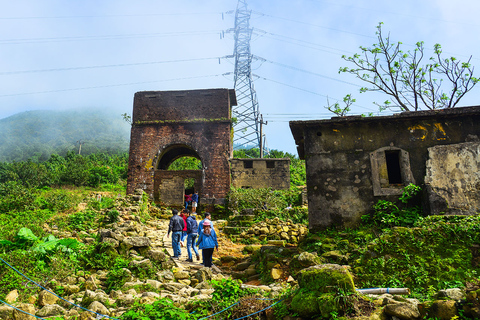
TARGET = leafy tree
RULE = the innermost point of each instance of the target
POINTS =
(186, 163)
(341, 111)
(411, 85)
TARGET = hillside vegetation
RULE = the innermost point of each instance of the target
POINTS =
(50, 218)
(36, 135)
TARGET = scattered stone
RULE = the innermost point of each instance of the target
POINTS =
(11, 296)
(51, 310)
(46, 298)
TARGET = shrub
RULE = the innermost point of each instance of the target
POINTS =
(161, 309)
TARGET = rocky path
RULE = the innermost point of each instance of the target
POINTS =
(166, 245)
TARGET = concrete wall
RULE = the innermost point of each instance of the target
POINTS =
(168, 125)
(348, 159)
(260, 173)
(453, 178)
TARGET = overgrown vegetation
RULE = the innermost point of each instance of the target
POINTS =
(396, 246)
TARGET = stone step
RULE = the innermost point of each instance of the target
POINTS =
(245, 217)
(240, 223)
(234, 230)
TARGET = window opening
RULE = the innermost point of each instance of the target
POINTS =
(189, 185)
(270, 164)
(248, 164)
(392, 158)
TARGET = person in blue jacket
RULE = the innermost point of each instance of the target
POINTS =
(208, 217)
(192, 234)
(207, 242)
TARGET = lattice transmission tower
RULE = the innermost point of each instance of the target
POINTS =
(247, 131)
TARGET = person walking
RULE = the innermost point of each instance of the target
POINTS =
(207, 242)
(208, 217)
(194, 202)
(176, 226)
(192, 234)
(184, 215)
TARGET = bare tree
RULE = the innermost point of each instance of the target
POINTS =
(411, 85)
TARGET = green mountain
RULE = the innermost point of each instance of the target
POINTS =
(37, 134)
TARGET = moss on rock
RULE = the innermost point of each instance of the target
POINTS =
(326, 278)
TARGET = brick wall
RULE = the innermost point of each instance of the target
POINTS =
(172, 124)
(260, 173)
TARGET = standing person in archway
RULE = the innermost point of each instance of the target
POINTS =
(188, 199)
(207, 242)
(194, 202)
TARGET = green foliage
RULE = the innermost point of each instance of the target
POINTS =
(239, 199)
(388, 214)
(296, 215)
(26, 240)
(33, 220)
(186, 163)
(98, 256)
(15, 197)
(112, 216)
(337, 109)
(436, 253)
(410, 84)
(73, 169)
(161, 309)
(118, 275)
(82, 220)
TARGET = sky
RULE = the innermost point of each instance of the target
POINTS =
(58, 54)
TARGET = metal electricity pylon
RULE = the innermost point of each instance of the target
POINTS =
(246, 128)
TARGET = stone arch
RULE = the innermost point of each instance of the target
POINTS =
(174, 152)
(167, 125)
(169, 185)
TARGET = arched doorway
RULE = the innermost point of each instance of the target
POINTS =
(179, 171)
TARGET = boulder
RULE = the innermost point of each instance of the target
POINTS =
(204, 274)
(276, 273)
(98, 307)
(402, 310)
(318, 288)
(51, 310)
(443, 310)
(307, 259)
(181, 275)
(11, 296)
(26, 307)
(451, 294)
(46, 298)
(6, 312)
(326, 277)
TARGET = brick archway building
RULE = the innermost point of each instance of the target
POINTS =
(167, 125)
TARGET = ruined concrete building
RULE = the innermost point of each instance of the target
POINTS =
(167, 125)
(352, 162)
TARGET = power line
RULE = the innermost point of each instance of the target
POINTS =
(309, 72)
(312, 92)
(111, 16)
(107, 37)
(313, 25)
(106, 66)
(107, 86)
